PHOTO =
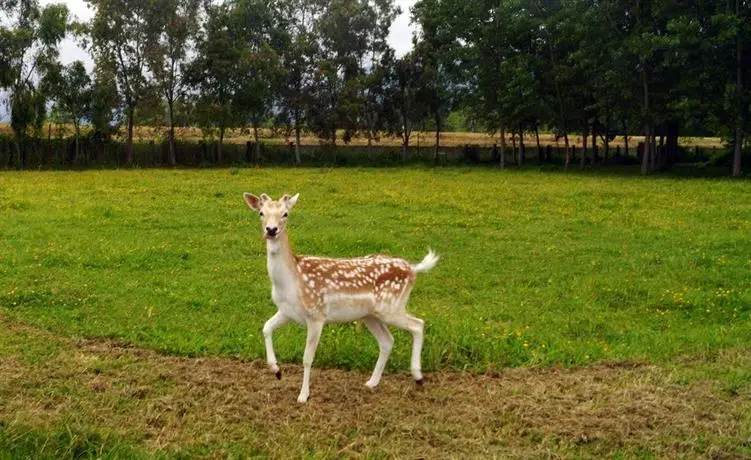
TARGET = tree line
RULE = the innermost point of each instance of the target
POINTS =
(598, 68)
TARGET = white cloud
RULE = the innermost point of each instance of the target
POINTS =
(400, 35)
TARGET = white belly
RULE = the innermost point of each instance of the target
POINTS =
(340, 308)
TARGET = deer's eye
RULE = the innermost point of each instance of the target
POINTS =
(260, 214)
(284, 215)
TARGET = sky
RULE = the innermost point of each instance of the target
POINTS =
(400, 37)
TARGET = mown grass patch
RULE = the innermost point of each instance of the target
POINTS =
(537, 268)
(100, 399)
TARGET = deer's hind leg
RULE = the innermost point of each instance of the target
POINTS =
(385, 343)
(416, 327)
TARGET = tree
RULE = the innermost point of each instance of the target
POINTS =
(375, 64)
(341, 36)
(298, 51)
(120, 36)
(213, 72)
(352, 46)
(437, 55)
(597, 61)
(742, 90)
(256, 28)
(174, 25)
(236, 67)
(487, 45)
(73, 93)
(105, 102)
(29, 37)
(404, 109)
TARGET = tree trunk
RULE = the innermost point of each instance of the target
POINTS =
(405, 139)
(559, 97)
(17, 144)
(503, 147)
(171, 158)
(655, 152)
(661, 150)
(77, 151)
(129, 141)
(333, 145)
(49, 143)
(513, 148)
(594, 143)
(298, 161)
(437, 138)
(539, 149)
(645, 161)
(671, 144)
(257, 146)
(738, 135)
(648, 126)
(521, 146)
(221, 143)
(607, 146)
(584, 147)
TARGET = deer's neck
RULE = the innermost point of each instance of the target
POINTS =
(280, 262)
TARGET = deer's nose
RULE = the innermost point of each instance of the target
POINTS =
(271, 230)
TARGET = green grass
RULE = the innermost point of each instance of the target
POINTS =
(537, 268)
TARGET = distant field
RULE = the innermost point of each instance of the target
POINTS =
(639, 285)
(448, 139)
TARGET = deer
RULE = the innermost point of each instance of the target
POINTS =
(314, 291)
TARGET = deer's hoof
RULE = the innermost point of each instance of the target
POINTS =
(420, 382)
(278, 375)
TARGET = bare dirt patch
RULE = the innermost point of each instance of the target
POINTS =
(219, 406)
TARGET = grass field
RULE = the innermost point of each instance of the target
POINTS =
(131, 306)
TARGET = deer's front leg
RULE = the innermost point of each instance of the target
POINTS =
(314, 335)
(274, 322)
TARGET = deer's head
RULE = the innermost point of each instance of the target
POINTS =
(273, 213)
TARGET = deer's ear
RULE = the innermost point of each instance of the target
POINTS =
(289, 201)
(264, 198)
(252, 201)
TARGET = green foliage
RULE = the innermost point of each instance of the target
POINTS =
(174, 26)
(405, 108)
(72, 92)
(104, 102)
(553, 269)
(599, 68)
(237, 66)
(120, 37)
(353, 58)
(28, 51)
